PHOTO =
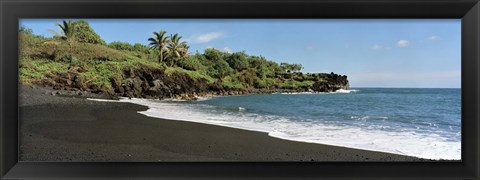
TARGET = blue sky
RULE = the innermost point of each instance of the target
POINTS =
(372, 53)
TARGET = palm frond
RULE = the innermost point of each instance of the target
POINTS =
(152, 39)
(55, 33)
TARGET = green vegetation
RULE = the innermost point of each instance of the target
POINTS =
(160, 43)
(291, 67)
(84, 33)
(124, 46)
(77, 52)
(31, 70)
(192, 74)
(289, 84)
(176, 49)
(68, 32)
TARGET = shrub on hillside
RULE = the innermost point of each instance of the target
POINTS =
(86, 34)
(124, 46)
(189, 63)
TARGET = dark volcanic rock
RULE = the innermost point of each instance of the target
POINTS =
(154, 83)
(144, 82)
(331, 82)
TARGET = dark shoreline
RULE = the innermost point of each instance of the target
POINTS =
(72, 128)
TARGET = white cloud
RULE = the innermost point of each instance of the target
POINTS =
(310, 48)
(203, 38)
(227, 49)
(376, 46)
(433, 38)
(403, 43)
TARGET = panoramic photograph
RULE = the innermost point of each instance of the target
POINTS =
(197, 90)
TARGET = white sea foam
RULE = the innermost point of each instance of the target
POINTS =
(337, 91)
(296, 93)
(103, 100)
(175, 100)
(402, 141)
(364, 118)
(346, 91)
(204, 98)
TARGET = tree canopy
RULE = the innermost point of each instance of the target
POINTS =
(291, 67)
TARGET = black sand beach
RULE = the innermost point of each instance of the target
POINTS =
(59, 127)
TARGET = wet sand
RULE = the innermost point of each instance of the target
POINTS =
(64, 126)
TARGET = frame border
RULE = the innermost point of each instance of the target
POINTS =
(467, 10)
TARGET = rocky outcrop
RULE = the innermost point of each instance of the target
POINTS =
(153, 83)
(331, 83)
(70, 80)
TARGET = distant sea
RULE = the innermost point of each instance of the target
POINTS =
(424, 123)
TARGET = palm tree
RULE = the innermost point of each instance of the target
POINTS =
(184, 49)
(177, 49)
(160, 42)
(68, 32)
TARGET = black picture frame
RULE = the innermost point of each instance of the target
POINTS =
(466, 10)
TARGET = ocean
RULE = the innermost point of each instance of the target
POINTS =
(418, 122)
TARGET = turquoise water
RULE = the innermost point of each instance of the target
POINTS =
(419, 110)
(417, 122)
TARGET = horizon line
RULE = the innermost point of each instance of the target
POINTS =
(408, 87)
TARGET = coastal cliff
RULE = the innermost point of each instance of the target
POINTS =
(154, 83)
(148, 83)
(87, 63)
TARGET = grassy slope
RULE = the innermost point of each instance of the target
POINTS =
(43, 58)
